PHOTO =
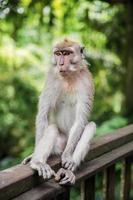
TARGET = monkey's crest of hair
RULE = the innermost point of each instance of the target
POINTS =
(66, 43)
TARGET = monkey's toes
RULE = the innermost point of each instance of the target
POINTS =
(65, 177)
(69, 164)
(43, 169)
(60, 174)
(47, 172)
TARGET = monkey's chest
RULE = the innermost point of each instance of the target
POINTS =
(65, 113)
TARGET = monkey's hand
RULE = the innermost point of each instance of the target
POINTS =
(27, 159)
(67, 162)
(65, 177)
(43, 169)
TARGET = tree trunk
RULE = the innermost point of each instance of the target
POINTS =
(128, 60)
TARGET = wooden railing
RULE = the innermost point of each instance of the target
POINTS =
(22, 183)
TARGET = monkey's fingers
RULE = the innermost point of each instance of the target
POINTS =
(43, 169)
(70, 165)
(47, 171)
(60, 174)
(69, 178)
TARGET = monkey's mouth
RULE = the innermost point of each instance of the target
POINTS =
(64, 73)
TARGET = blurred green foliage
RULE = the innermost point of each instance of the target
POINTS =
(28, 30)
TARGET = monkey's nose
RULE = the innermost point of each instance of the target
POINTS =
(61, 63)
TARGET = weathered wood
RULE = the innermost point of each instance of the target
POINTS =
(88, 189)
(98, 164)
(21, 178)
(88, 169)
(18, 179)
(65, 195)
(110, 141)
(110, 183)
(47, 190)
(126, 178)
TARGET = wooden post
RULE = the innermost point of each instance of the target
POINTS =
(126, 179)
(88, 189)
(110, 183)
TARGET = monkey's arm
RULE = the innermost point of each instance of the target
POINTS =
(47, 101)
(42, 116)
(41, 121)
(46, 131)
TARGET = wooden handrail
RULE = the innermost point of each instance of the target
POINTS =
(104, 151)
(88, 169)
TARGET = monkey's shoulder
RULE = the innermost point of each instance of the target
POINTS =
(86, 79)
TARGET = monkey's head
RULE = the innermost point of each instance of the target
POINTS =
(67, 57)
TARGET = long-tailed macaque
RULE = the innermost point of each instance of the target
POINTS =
(64, 108)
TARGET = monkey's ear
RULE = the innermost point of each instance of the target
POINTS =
(84, 55)
(82, 49)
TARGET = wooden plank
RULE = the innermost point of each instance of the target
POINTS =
(65, 195)
(20, 178)
(47, 190)
(88, 169)
(110, 141)
(98, 164)
(110, 183)
(88, 189)
(126, 178)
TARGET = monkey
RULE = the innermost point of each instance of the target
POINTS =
(64, 107)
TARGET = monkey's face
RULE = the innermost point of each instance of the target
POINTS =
(67, 60)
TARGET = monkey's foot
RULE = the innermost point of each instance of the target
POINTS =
(43, 169)
(65, 177)
(68, 163)
(27, 159)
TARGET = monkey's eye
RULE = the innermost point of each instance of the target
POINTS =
(66, 53)
(57, 53)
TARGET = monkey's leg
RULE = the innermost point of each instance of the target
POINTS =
(43, 150)
(82, 147)
(66, 176)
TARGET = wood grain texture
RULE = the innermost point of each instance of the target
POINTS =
(110, 183)
(47, 190)
(126, 178)
(88, 189)
(65, 195)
